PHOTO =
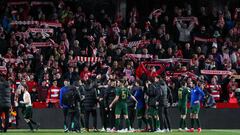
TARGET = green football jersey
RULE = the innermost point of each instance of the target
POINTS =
(123, 94)
(183, 93)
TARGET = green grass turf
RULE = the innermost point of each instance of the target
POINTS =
(60, 132)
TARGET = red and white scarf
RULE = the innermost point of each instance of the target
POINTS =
(49, 24)
(185, 18)
(41, 44)
(39, 30)
(38, 3)
(216, 72)
(86, 59)
(17, 3)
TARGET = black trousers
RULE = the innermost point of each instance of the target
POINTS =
(68, 118)
(131, 115)
(103, 115)
(111, 118)
(5, 110)
(87, 116)
(77, 119)
(164, 118)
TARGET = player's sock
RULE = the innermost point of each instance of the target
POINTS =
(157, 124)
(198, 123)
(33, 122)
(139, 123)
(72, 126)
(144, 120)
(184, 123)
(128, 123)
(82, 122)
(181, 123)
(30, 125)
(192, 123)
(65, 126)
(150, 122)
(117, 122)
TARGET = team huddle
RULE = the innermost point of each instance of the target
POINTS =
(147, 102)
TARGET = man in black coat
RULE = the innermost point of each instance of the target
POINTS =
(90, 103)
(164, 99)
(109, 96)
(5, 102)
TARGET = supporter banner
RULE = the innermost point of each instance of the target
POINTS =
(46, 30)
(41, 44)
(17, 3)
(38, 3)
(215, 72)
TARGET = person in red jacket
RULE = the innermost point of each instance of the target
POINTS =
(31, 83)
(214, 88)
(53, 96)
(85, 74)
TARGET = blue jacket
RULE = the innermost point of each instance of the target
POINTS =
(197, 95)
(139, 95)
(63, 90)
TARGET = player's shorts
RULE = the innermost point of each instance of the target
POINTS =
(140, 112)
(182, 109)
(121, 108)
(195, 109)
(152, 111)
(27, 113)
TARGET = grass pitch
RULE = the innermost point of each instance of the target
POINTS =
(175, 132)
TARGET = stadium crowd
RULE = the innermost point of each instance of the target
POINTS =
(44, 44)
